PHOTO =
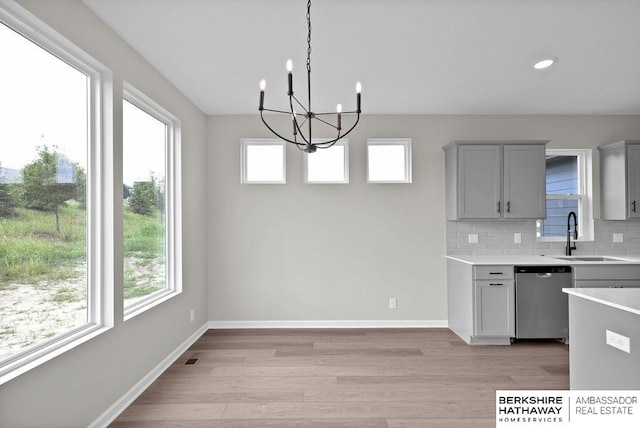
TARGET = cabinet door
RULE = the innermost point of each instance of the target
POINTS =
(633, 180)
(495, 308)
(524, 181)
(479, 181)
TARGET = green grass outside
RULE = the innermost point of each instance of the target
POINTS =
(144, 243)
(31, 250)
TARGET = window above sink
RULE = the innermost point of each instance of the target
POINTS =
(569, 188)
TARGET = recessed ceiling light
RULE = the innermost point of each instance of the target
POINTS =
(543, 63)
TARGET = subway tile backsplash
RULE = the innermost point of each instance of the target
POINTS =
(496, 237)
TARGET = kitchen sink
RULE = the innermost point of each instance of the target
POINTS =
(589, 258)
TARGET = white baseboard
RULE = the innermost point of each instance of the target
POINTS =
(330, 324)
(119, 406)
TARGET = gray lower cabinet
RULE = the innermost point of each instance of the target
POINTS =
(494, 301)
(608, 283)
(481, 303)
(494, 308)
(609, 276)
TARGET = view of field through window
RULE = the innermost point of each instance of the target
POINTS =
(144, 145)
(43, 195)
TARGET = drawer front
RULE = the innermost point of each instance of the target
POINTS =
(493, 272)
(608, 272)
(609, 283)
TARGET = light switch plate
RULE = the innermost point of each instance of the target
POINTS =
(473, 238)
(619, 341)
(618, 237)
(517, 238)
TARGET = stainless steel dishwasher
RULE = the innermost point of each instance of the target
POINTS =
(542, 309)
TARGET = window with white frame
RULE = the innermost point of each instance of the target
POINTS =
(568, 179)
(56, 274)
(151, 222)
(263, 161)
(389, 160)
(329, 165)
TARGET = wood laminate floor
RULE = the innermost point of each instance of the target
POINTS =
(343, 378)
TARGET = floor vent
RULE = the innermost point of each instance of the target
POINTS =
(191, 361)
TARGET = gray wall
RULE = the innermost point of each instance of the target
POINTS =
(298, 251)
(73, 389)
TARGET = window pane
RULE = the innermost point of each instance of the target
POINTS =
(562, 179)
(562, 175)
(557, 212)
(264, 163)
(144, 151)
(43, 218)
(327, 165)
(387, 162)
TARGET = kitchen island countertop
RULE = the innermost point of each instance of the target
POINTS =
(624, 299)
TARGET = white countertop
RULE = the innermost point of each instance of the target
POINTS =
(625, 299)
(523, 260)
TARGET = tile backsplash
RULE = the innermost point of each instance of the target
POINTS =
(497, 237)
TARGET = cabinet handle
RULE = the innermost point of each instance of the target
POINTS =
(498, 207)
(496, 273)
(633, 206)
(508, 206)
(496, 283)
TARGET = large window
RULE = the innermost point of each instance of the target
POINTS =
(54, 282)
(151, 223)
(568, 189)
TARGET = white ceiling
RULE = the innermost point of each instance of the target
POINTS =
(412, 56)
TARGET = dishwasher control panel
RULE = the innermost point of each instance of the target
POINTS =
(543, 269)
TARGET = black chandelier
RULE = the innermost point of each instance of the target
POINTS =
(304, 115)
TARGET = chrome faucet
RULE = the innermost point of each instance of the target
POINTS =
(567, 251)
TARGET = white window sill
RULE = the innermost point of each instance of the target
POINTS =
(148, 302)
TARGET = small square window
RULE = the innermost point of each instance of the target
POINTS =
(389, 160)
(330, 165)
(263, 161)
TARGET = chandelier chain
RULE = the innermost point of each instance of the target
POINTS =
(309, 36)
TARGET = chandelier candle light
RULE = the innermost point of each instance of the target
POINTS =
(305, 115)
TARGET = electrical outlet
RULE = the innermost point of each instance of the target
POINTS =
(618, 237)
(193, 315)
(618, 341)
(393, 303)
(473, 238)
(517, 238)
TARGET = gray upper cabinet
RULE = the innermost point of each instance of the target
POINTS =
(493, 180)
(620, 180)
